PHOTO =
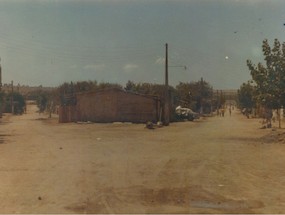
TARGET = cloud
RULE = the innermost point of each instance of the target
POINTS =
(94, 67)
(160, 60)
(130, 67)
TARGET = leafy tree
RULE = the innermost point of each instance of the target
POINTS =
(106, 85)
(196, 95)
(130, 86)
(82, 86)
(19, 103)
(147, 89)
(65, 93)
(185, 92)
(270, 78)
(246, 95)
(2, 102)
(42, 101)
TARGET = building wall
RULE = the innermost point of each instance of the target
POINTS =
(67, 114)
(116, 105)
(137, 108)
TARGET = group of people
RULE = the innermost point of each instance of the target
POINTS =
(221, 111)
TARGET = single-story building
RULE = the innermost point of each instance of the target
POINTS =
(111, 105)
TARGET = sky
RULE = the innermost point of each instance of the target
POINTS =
(49, 42)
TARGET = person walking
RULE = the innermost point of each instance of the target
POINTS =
(223, 112)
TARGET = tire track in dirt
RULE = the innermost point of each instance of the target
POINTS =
(147, 200)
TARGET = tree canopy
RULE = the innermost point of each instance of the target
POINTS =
(269, 79)
(246, 95)
(196, 95)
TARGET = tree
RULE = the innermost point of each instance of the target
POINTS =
(65, 93)
(147, 88)
(130, 86)
(196, 95)
(2, 102)
(246, 95)
(19, 103)
(106, 85)
(42, 101)
(270, 79)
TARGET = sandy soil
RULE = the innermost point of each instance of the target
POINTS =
(214, 165)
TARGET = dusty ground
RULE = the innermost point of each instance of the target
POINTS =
(214, 165)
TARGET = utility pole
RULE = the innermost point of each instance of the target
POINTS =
(167, 106)
(166, 65)
(0, 76)
(166, 100)
(1, 104)
(12, 98)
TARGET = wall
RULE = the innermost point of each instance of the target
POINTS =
(67, 114)
(116, 105)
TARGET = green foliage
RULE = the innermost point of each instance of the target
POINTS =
(65, 93)
(105, 85)
(80, 86)
(246, 95)
(147, 88)
(47, 100)
(130, 86)
(201, 92)
(18, 101)
(270, 78)
(195, 95)
(2, 98)
(42, 101)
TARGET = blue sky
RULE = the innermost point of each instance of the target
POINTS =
(49, 42)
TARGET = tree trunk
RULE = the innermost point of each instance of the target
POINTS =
(279, 117)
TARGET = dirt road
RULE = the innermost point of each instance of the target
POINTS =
(214, 165)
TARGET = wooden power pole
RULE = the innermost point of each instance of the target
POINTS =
(12, 98)
(1, 104)
(166, 99)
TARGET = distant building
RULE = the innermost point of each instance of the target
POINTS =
(111, 105)
(230, 96)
